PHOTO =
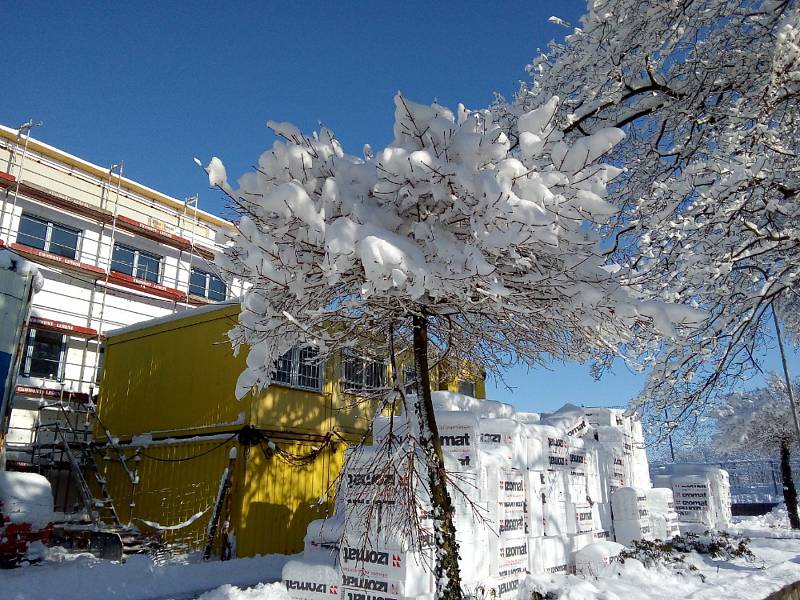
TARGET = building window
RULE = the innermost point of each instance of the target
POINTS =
(360, 373)
(136, 263)
(466, 387)
(48, 236)
(299, 367)
(207, 285)
(44, 354)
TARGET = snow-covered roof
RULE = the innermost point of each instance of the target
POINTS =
(178, 316)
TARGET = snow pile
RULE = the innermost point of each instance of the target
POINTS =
(66, 576)
(263, 591)
(530, 493)
(25, 498)
(24, 269)
(594, 557)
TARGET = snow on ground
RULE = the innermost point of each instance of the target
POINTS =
(777, 564)
(777, 551)
(64, 576)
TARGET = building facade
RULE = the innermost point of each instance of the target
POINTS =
(112, 253)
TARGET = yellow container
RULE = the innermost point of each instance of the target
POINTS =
(168, 392)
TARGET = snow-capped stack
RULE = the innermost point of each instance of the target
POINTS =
(547, 495)
(640, 468)
(362, 549)
(631, 517)
(528, 494)
(663, 518)
(582, 515)
(702, 494)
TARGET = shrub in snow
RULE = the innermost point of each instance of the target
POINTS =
(672, 553)
(716, 544)
(652, 553)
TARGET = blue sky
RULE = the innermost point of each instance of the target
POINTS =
(158, 83)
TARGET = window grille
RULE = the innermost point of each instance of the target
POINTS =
(360, 373)
(466, 387)
(299, 367)
(409, 380)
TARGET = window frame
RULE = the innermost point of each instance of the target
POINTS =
(135, 266)
(294, 374)
(207, 284)
(47, 242)
(467, 382)
(30, 341)
(359, 388)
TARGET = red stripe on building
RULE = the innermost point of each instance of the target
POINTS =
(145, 286)
(6, 179)
(62, 201)
(40, 392)
(153, 233)
(49, 257)
(62, 326)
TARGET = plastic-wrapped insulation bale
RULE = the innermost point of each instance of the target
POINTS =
(600, 416)
(554, 448)
(506, 436)
(629, 504)
(569, 418)
(628, 531)
(311, 580)
(549, 555)
(693, 499)
(631, 517)
(394, 571)
(527, 417)
(459, 434)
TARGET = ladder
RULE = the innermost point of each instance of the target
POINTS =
(79, 454)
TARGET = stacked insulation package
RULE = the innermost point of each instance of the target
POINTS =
(701, 493)
(533, 490)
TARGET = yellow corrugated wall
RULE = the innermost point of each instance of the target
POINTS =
(279, 500)
(272, 501)
(173, 377)
(171, 492)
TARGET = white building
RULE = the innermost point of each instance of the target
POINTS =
(112, 251)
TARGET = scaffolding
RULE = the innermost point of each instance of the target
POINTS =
(91, 294)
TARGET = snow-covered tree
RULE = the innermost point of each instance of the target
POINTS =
(760, 421)
(707, 94)
(452, 238)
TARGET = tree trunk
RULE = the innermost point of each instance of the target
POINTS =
(448, 578)
(789, 491)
